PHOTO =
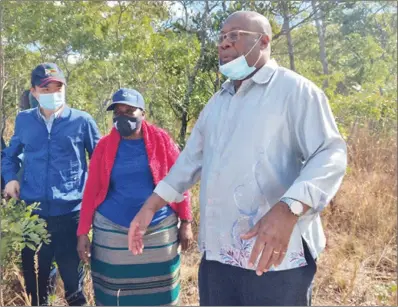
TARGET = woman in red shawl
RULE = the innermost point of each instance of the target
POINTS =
(124, 169)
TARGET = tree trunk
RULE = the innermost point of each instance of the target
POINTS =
(2, 72)
(191, 79)
(183, 130)
(286, 29)
(321, 37)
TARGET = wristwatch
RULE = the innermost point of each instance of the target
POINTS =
(295, 206)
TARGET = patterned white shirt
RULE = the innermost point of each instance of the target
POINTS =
(275, 137)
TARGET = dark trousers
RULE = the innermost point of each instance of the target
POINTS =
(63, 248)
(226, 285)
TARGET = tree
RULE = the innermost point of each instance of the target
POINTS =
(286, 30)
(319, 16)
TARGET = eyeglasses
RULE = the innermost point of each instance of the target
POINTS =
(233, 36)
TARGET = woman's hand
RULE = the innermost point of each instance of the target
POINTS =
(83, 248)
(185, 235)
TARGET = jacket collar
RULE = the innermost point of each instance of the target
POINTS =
(62, 113)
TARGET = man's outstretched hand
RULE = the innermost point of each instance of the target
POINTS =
(137, 230)
(141, 221)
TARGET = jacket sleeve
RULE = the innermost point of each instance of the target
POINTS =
(183, 208)
(92, 136)
(10, 163)
(91, 190)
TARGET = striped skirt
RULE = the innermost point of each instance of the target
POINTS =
(122, 279)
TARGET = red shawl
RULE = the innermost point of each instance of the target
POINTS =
(162, 153)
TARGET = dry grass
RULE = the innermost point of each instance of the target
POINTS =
(359, 264)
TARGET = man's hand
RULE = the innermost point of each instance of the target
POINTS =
(12, 189)
(273, 233)
(138, 228)
(185, 235)
(140, 223)
(83, 248)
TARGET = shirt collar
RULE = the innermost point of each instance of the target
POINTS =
(262, 76)
(53, 116)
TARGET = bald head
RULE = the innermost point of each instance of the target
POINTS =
(245, 34)
(250, 21)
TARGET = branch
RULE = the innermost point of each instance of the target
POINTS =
(68, 71)
(282, 32)
(213, 7)
(40, 50)
(184, 5)
(191, 77)
(381, 8)
(172, 106)
(5, 85)
(122, 10)
(299, 12)
(224, 6)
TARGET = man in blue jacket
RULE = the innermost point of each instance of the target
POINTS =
(3, 146)
(54, 139)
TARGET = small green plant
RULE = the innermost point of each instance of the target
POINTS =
(20, 228)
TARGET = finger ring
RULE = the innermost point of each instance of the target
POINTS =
(275, 252)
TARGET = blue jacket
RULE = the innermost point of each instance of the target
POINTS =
(3, 146)
(55, 166)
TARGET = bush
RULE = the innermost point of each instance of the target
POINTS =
(19, 228)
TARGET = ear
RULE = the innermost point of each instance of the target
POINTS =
(33, 92)
(265, 40)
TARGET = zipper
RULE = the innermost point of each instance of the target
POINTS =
(48, 156)
(48, 161)
(48, 166)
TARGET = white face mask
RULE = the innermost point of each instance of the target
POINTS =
(52, 101)
(238, 69)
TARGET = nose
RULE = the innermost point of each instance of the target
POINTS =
(224, 44)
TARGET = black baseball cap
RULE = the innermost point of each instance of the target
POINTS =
(46, 73)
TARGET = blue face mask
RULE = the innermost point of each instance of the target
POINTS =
(52, 101)
(238, 69)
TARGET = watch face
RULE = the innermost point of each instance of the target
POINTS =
(297, 207)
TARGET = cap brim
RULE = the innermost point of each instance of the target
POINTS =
(51, 79)
(127, 103)
(111, 107)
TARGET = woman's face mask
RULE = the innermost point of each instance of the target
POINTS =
(127, 125)
(127, 119)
